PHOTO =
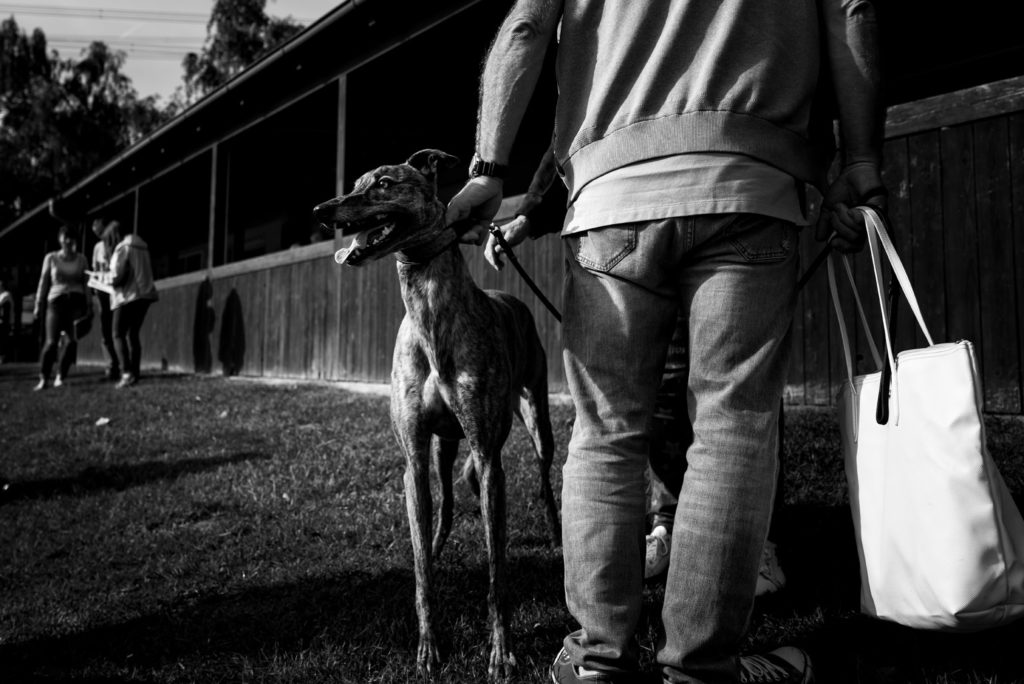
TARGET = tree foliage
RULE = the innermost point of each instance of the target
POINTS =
(239, 33)
(61, 119)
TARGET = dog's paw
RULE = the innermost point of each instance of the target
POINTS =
(428, 660)
(503, 662)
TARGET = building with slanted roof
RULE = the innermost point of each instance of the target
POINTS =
(223, 195)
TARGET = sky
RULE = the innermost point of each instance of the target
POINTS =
(155, 34)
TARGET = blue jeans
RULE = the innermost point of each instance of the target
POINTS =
(733, 277)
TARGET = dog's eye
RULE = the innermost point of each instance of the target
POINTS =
(384, 183)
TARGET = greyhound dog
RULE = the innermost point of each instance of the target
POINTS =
(465, 361)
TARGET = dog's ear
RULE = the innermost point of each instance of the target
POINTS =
(430, 162)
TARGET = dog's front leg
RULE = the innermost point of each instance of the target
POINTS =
(419, 507)
(492, 509)
(445, 451)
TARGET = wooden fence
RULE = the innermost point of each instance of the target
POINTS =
(954, 164)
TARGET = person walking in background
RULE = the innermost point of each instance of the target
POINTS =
(101, 254)
(685, 133)
(131, 275)
(62, 293)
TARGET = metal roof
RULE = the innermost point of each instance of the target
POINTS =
(347, 36)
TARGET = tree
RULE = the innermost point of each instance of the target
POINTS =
(239, 32)
(61, 119)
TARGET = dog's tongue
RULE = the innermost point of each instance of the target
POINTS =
(358, 242)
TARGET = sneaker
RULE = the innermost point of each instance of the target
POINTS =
(127, 380)
(770, 577)
(786, 665)
(58, 381)
(41, 385)
(564, 672)
(659, 543)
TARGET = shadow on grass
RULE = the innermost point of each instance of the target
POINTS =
(357, 618)
(120, 477)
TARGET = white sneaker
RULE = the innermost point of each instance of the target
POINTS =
(58, 381)
(659, 546)
(770, 577)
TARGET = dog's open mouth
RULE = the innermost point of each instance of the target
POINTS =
(364, 241)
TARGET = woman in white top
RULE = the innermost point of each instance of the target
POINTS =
(101, 254)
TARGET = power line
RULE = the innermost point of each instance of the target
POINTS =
(113, 37)
(102, 13)
(113, 14)
(133, 49)
(75, 39)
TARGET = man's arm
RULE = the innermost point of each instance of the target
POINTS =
(509, 77)
(854, 56)
(522, 226)
(543, 177)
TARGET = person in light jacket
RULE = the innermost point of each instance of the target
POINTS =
(131, 275)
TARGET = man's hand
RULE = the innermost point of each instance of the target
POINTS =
(858, 183)
(514, 232)
(477, 202)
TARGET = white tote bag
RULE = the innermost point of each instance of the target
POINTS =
(939, 538)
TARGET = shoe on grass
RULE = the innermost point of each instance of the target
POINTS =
(659, 545)
(770, 577)
(127, 380)
(58, 381)
(786, 665)
(564, 672)
(41, 385)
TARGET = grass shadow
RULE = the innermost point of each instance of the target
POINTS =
(357, 616)
(120, 477)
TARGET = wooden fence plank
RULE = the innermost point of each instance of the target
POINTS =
(172, 311)
(1016, 126)
(302, 323)
(1001, 368)
(896, 176)
(929, 271)
(963, 317)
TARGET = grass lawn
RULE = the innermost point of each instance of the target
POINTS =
(230, 531)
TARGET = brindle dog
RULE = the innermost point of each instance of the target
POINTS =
(465, 361)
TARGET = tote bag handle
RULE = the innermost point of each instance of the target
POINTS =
(876, 235)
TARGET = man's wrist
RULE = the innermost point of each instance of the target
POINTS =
(482, 167)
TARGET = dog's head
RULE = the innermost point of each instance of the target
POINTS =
(390, 208)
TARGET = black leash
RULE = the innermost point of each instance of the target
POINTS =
(507, 249)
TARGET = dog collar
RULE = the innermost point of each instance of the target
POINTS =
(419, 255)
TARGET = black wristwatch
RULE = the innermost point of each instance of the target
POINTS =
(479, 167)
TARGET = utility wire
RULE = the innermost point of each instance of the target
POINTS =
(112, 14)
(103, 13)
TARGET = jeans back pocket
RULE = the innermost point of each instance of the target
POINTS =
(600, 249)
